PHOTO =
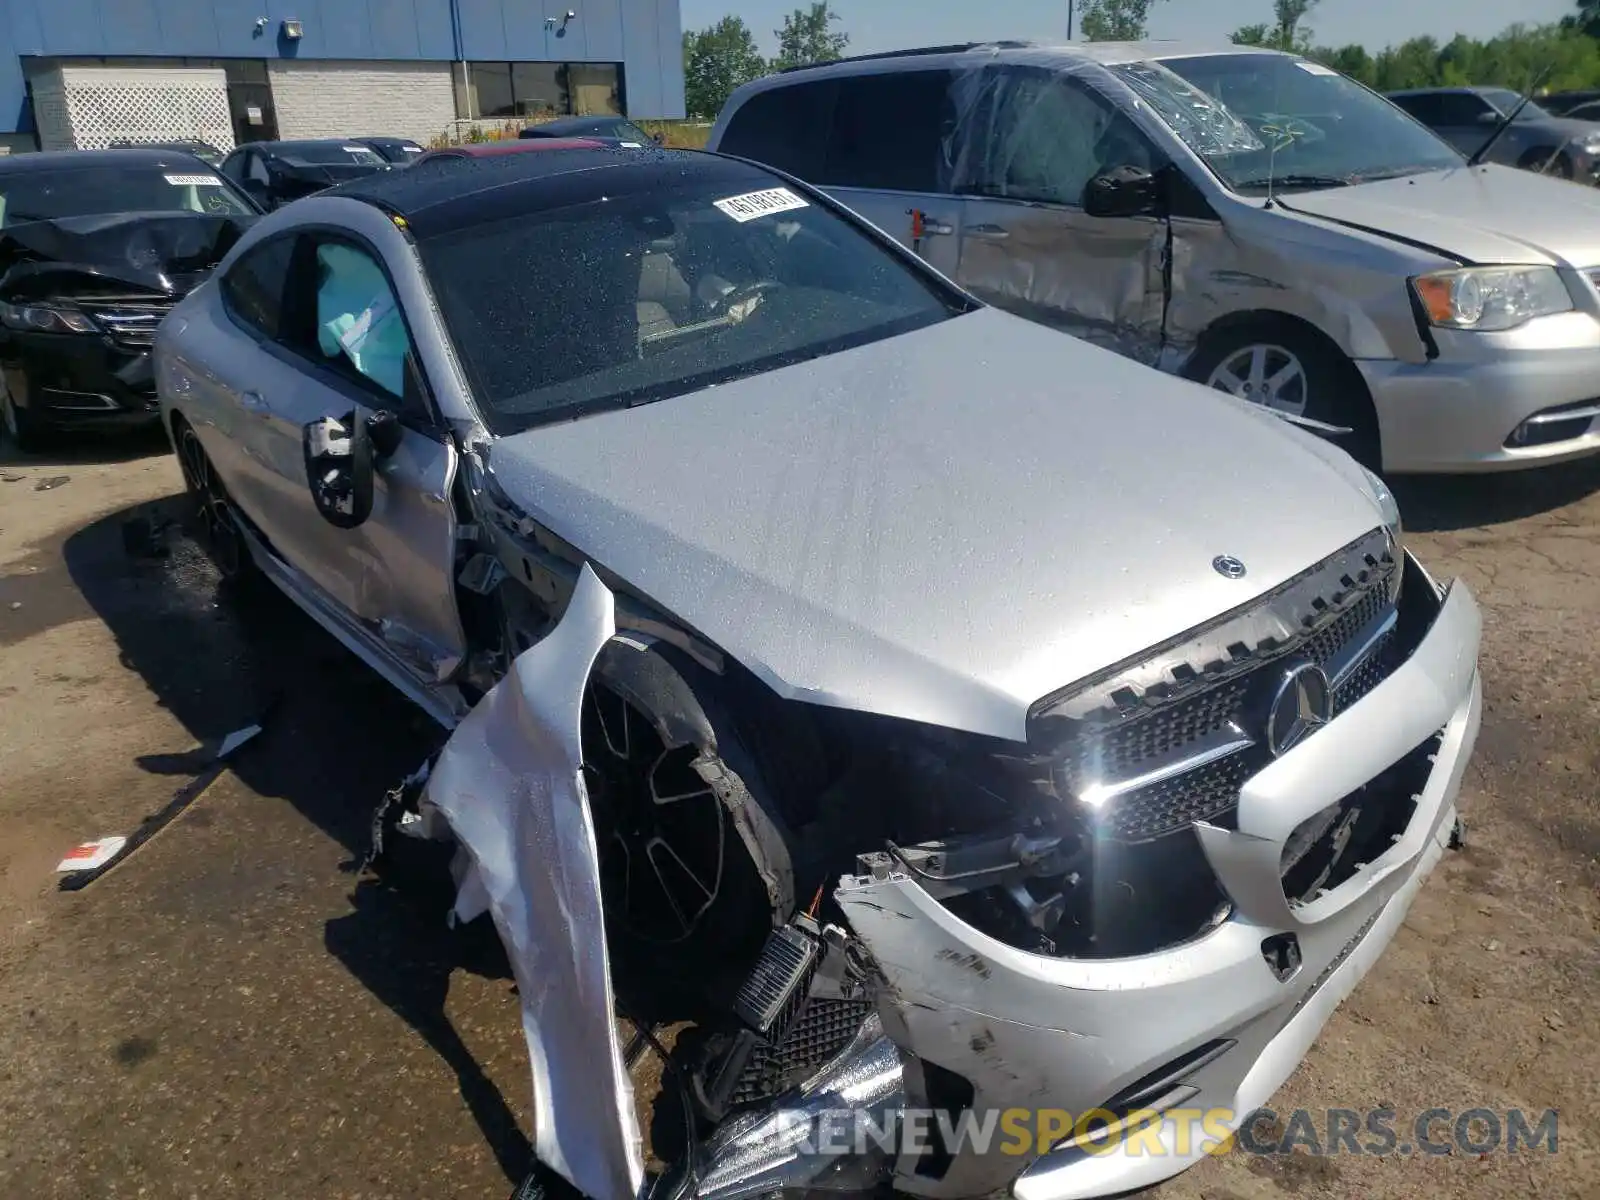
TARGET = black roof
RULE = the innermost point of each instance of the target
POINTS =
(289, 147)
(69, 160)
(443, 194)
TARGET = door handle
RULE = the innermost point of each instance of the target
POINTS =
(253, 402)
(922, 225)
(993, 233)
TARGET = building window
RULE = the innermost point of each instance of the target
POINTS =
(538, 89)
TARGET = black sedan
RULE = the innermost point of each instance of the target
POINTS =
(274, 173)
(397, 151)
(95, 248)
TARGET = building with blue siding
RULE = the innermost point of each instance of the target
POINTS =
(82, 72)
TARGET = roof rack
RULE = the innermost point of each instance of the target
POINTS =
(914, 52)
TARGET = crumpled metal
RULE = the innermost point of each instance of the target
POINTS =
(510, 784)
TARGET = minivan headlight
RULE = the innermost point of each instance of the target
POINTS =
(1491, 298)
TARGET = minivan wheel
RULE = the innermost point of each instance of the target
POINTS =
(1293, 372)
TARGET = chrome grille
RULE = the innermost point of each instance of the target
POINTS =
(129, 321)
(1157, 744)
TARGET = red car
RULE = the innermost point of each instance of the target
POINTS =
(509, 146)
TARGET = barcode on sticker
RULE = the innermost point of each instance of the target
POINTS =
(194, 180)
(1311, 68)
(760, 204)
(354, 149)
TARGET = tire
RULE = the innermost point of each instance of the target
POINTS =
(1534, 160)
(24, 429)
(217, 525)
(1283, 366)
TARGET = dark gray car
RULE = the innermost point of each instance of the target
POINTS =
(1537, 140)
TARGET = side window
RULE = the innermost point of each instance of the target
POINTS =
(1461, 108)
(253, 287)
(359, 330)
(888, 131)
(1424, 108)
(784, 127)
(257, 172)
(232, 167)
(1045, 136)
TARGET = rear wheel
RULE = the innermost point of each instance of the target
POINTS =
(1283, 367)
(219, 531)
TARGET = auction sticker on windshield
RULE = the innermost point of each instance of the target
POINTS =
(195, 180)
(760, 204)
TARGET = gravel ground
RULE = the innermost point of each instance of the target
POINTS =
(234, 1012)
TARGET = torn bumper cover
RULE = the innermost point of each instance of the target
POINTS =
(80, 301)
(1216, 1022)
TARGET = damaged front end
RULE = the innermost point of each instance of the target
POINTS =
(1152, 903)
(80, 301)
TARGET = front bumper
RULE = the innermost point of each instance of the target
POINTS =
(1460, 411)
(78, 379)
(1034, 1032)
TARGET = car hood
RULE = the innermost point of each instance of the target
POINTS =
(1483, 214)
(944, 526)
(165, 253)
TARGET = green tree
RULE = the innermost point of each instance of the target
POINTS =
(807, 37)
(715, 61)
(1116, 20)
(1287, 31)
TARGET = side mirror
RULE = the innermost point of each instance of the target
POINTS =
(1488, 118)
(1122, 192)
(340, 456)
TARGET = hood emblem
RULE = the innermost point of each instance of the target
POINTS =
(1228, 566)
(1302, 703)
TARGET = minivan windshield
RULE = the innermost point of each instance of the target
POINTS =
(637, 297)
(91, 191)
(1271, 119)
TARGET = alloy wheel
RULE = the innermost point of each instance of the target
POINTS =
(218, 528)
(662, 830)
(1263, 374)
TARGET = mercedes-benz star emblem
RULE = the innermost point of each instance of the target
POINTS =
(1228, 566)
(1302, 702)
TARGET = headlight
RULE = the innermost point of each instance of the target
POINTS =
(1490, 298)
(41, 318)
(1590, 144)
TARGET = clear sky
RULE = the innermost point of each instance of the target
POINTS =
(890, 24)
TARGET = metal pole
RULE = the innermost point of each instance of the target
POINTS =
(1069, 20)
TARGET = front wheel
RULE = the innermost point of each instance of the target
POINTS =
(1290, 371)
(22, 426)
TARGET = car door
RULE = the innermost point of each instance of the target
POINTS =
(345, 346)
(792, 127)
(887, 158)
(1033, 138)
(1465, 120)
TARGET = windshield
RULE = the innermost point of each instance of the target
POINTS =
(94, 191)
(1260, 117)
(1505, 100)
(331, 154)
(637, 298)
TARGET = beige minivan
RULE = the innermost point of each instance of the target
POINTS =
(1248, 218)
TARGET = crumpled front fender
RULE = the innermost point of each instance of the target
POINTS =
(510, 785)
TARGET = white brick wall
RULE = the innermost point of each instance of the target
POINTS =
(362, 99)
